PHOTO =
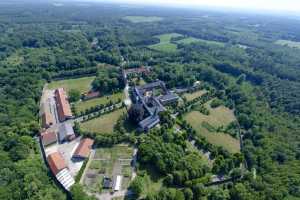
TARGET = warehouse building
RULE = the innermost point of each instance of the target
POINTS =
(62, 104)
(48, 138)
(66, 133)
(83, 149)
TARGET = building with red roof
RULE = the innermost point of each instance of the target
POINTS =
(56, 162)
(48, 138)
(62, 104)
(83, 149)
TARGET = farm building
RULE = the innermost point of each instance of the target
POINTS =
(107, 183)
(91, 95)
(60, 170)
(83, 149)
(65, 132)
(168, 99)
(62, 104)
(48, 138)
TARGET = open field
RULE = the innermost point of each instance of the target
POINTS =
(288, 43)
(220, 116)
(109, 162)
(103, 124)
(194, 95)
(190, 40)
(141, 19)
(81, 84)
(83, 105)
(165, 44)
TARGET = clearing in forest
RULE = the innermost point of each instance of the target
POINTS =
(288, 43)
(104, 123)
(83, 105)
(165, 44)
(194, 95)
(190, 40)
(142, 19)
(83, 85)
(220, 116)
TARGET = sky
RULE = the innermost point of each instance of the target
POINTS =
(268, 5)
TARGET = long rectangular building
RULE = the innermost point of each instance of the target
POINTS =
(62, 104)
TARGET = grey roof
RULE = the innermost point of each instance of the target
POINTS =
(65, 130)
(149, 122)
(168, 97)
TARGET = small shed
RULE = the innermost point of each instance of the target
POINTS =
(66, 132)
(118, 183)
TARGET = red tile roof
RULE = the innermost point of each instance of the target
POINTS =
(83, 149)
(56, 162)
(63, 106)
(48, 137)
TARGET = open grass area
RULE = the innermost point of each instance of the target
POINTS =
(142, 19)
(288, 43)
(103, 124)
(220, 116)
(165, 44)
(83, 105)
(194, 95)
(190, 40)
(81, 84)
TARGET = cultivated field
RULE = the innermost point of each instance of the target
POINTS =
(83, 105)
(220, 116)
(81, 84)
(103, 124)
(194, 95)
(109, 162)
(165, 44)
(288, 43)
(141, 19)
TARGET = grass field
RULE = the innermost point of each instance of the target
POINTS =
(81, 84)
(142, 19)
(288, 43)
(165, 44)
(83, 105)
(190, 40)
(194, 95)
(103, 124)
(220, 116)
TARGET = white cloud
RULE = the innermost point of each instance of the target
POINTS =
(275, 5)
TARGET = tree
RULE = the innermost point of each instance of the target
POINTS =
(188, 194)
(78, 193)
(218, 194)
(74, 95)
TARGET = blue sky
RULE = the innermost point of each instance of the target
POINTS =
(268, 5)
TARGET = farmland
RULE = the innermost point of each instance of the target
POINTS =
(81, 84)
(143, 19)
(109, 162)
(220, 116)
(103, 124)
(83, 105)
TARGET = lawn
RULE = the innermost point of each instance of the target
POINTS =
(81, 84)
(194, 95)
(83, 105)
(141, 19)
(220, 116)
(103, 124)
(288, 43)
(165, 44)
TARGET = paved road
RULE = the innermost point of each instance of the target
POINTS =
(127, 99)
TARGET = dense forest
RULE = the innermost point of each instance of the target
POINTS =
(248, 72)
